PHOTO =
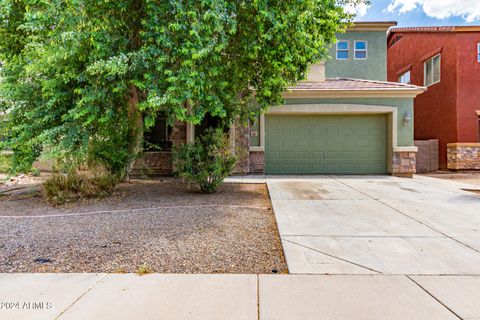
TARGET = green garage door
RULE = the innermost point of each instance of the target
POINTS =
(326, 144)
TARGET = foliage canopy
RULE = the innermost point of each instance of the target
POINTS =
(78, 78)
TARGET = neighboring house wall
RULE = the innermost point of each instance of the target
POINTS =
(468, 88)
(436, 109)
(372, 68)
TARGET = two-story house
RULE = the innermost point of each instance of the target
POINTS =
(447, 61)
(344, 119)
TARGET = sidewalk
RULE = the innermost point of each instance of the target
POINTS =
(157, 296)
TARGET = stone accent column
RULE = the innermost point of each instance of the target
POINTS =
(463, 156)
(257, 162)
(179, 133)
(404, 163)
(242, 148)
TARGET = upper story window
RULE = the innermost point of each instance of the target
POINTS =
(404, 77)
(478, 52)
(342, 50)
(432, 70)
(360, 50)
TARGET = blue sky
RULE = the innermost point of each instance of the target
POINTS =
(422, 12)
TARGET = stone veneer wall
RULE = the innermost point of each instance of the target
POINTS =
(257, 162)
(242, 146)
(153, 163)
(159, 163)
(463, 156)
(404, 164)
(427, 155)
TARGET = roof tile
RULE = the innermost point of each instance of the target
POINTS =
(348, 84)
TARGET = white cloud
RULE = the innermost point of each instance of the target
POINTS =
(469, 10)
(359, 10)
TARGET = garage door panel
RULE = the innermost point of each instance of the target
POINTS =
(304, 168)
(332, 155)
(287, 155)
(347, 155)
(321, 144)
(317, 155)
(303, 156)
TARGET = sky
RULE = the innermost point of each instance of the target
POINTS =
(421, 12)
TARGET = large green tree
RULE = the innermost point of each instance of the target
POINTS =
(82, 78)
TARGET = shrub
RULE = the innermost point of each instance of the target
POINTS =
(5, 162)
(206, 162)
(72, 186)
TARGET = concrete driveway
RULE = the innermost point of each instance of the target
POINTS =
(377, 225)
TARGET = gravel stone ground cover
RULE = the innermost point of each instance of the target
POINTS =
(232, 231)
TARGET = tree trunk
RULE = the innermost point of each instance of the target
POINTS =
(136, 127)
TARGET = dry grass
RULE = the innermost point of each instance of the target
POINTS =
(143, 270)
(73, 186)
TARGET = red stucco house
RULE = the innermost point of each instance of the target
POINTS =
(446, 60)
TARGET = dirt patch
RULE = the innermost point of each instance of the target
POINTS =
(304, 190)
(157, 224)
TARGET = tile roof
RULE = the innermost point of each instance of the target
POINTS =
(348, 84)
(436, 29)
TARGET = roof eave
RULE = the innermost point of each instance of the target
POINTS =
(332, 93)
(438, 29)
(372, 26)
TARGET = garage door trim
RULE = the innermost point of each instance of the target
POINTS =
(303, 109)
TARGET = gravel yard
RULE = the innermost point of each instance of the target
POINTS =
(156, 224)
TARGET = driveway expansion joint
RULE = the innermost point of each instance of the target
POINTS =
(407, 215)
(333, 256)
(436, 299)
(81, 296)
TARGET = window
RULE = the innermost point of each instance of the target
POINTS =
(404, 77)
(255, 132)
(432, 70)
(360, 50)
(478, 52)
(342, 50)
(157, 138)
(208, 122)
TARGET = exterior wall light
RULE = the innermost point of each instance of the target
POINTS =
(406, 119)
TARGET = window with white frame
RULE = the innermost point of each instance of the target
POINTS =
(257, 134)
(342, 50)
(405, 77)
(478, 52)
(360, 52)
(432, 70)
